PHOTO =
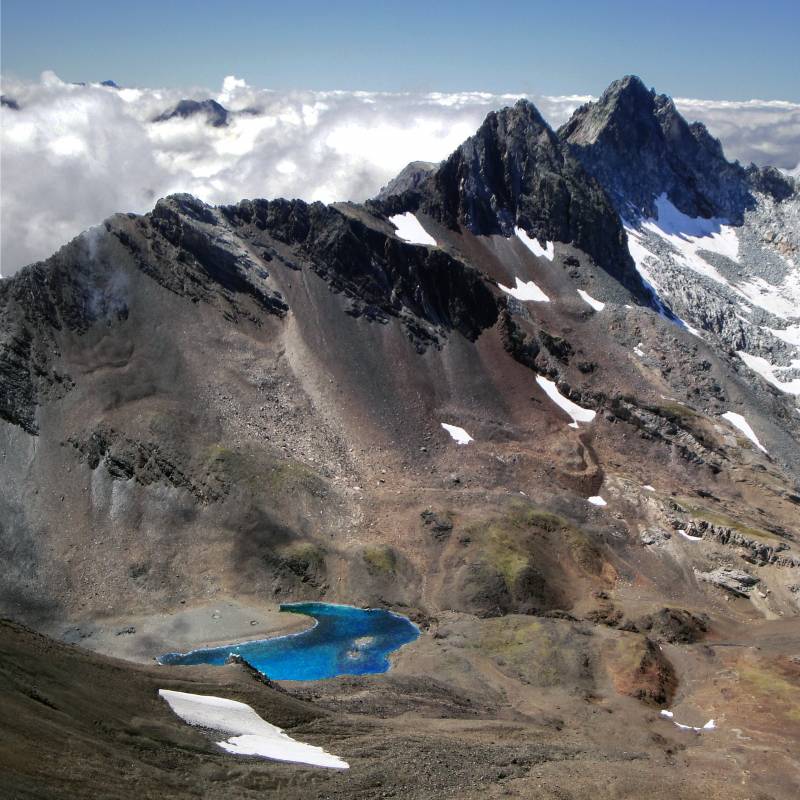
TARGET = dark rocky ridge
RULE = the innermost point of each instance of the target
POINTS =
(384, 276)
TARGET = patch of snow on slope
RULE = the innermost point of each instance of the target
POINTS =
(767, 372)
(648, 488)
(596, 500)
(689, 235)
(789, 334)
(782, 301)
(738, 421)
(249, 734)
(587, 298)
(548, 251)
(526, 291)
(409, 229)
(643, 259)
(578, 413)
(709, 726)
(689, 536)
(459, 435)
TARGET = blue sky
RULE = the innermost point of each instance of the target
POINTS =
(709, 49)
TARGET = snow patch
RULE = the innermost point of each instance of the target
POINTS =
(709, 726)
(638, 350)
(689, 235)
(789, 334)
(690, 537)
(548, 251)
(767, 372)
(587, 298)
(526, 291)
(578, 413)
(596, 500)
(249, 734)
(738, 421)
(648, 488)
(459, 435)
(409, 229)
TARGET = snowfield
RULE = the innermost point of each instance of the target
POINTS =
(249, 735)
(410, 230)
(690, 235)
(548, 251)
(767, 372)
(578, 413)
(738, 421)
(459, 435)
(645, 261)
(526, 291)
(587, 298)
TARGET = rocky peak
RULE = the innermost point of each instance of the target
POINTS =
(515, 172)
(408, 179)
(638, 146)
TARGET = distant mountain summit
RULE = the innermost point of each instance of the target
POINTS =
(216, 114)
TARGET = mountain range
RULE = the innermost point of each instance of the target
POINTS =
(209, 407)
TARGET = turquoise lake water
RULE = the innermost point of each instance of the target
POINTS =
(344, 641)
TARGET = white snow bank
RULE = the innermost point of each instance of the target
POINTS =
(548, 251)
(790, 334)
(688, 235)
(249, 734)
(767, 372)
(738, 421)
(460, 436)
(638, 350)
(587, 298)
(409, 229)
(526, 291)
(648, 488)
(709, 726)
(690, 537)
(782, 300)
(596, 500)
(578, 413)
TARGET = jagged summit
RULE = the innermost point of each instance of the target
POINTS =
(638, 146)
(515, 172)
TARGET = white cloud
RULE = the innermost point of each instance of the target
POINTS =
(73, 155)
(762, 131)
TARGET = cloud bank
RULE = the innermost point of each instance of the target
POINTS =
(72, 155)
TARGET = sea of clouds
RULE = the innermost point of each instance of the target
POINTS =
(72, 154)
